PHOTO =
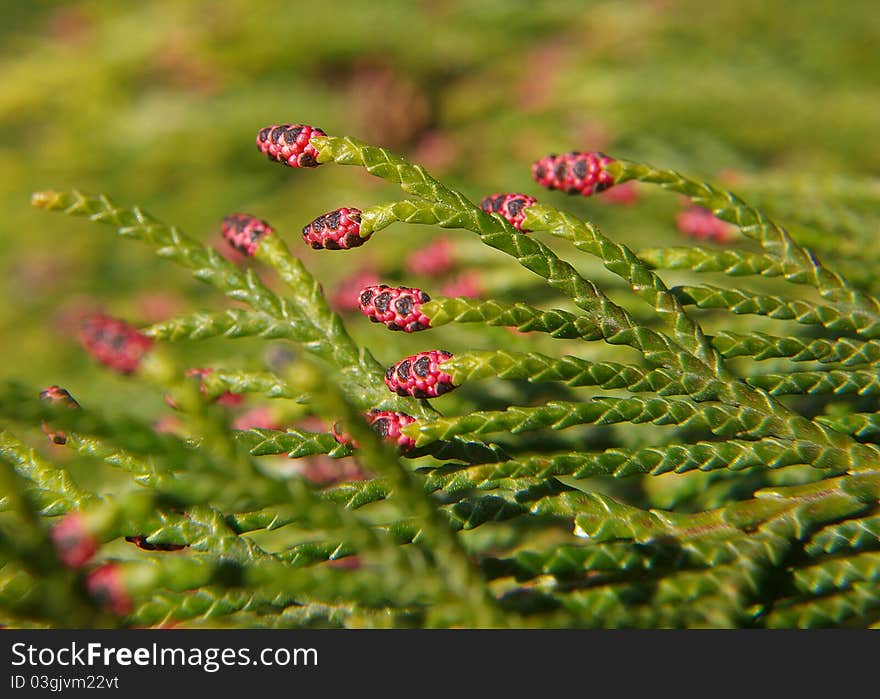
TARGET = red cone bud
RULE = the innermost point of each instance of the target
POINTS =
(336, 230)
(289, 144)
(420, 375)
(511, 206)
(399, 308)
(114, 343)
(244, 232)
(702, 224)
(433, 260)
(107, 587)
(574, 173)
(74, 543)
(386, 423)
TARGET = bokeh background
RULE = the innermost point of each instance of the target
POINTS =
(157, 103)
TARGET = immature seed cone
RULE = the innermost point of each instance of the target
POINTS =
(244, 232)
(419, 375)
(289, 144)
(574, 173)
(702, 224)
(107, 587)
(467, 284)
(73, 542)
(399, 308)
(386, 423)
(336, 230)
(433, 260)
(56, 394)
(511, 206)
(114, 343)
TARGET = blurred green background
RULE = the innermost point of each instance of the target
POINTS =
(157, 103)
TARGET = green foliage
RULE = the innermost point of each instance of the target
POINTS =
(671, 435)
(473, 533)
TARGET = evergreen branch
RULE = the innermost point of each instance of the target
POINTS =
(25, 544)
(318, 329)
(853, 534)
(861, 600)
(837, 382)
(759, 346)
(861, 425)
(221, 381)
(328, 615)
(740, 301)
(798, 509)
(623, 262)
(332, 341)
(205, 604)
(181, 486)
(733, 263)
(799, 264)
(53, 488)
(617, 326)
(735, 455)
(449, 209)
(126, 432)
(294, 442)
(838, 573)
(232, 323)
(571, 562)
(525, 318)
(454, 565)
(717, 418)
(385, 165)
(536, 367)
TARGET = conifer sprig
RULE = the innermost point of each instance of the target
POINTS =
(772, 517)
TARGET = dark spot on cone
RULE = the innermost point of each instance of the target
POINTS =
(422, 366)
(560, 171)
(291, 134)
(514, 206)
(382, 301)
(403, 370)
